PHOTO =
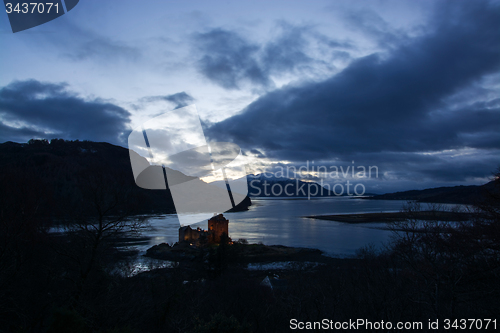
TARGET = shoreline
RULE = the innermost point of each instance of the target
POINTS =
(395, 217)
(247, 254)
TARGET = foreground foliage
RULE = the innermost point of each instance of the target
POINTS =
(431, 270)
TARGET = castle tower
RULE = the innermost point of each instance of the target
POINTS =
(217, 226)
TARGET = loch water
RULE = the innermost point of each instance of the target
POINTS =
(279, 221)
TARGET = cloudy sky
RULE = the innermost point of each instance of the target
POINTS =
(411, 87)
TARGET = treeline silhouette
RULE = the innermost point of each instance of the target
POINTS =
(69, 282)
(65, 169)
(467, 195)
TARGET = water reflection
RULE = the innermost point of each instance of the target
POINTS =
(281, 221)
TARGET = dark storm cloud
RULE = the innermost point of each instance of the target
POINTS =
(180, 99)
(287, 52)
(46, 110)
(372, 25)
(257, 153)
(448, 166)
(230, 60)
(19, 134)
(391, 103)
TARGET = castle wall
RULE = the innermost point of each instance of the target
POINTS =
(217, 226)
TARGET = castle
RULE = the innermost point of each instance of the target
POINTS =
(217, 228)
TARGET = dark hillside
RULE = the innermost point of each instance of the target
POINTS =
(469, 195)
(72, 173)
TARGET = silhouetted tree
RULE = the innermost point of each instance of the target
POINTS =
(454, 264)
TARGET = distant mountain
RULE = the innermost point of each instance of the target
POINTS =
(469, 195)
(268, 185)
(72, 174)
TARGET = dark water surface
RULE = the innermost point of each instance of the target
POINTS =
(281, 221)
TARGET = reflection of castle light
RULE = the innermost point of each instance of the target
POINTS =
(217, 229)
